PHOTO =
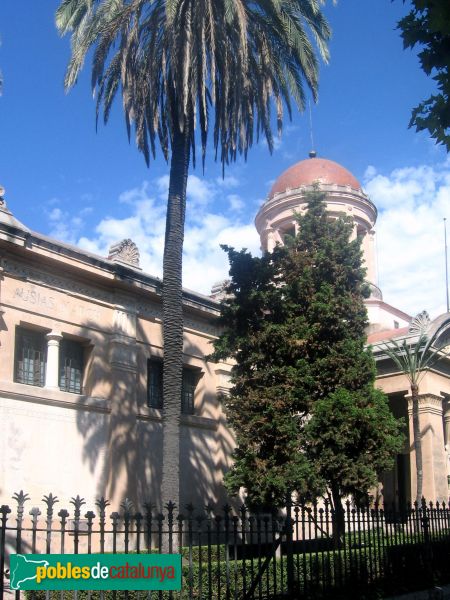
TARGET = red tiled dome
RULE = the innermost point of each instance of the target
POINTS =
(306, 172)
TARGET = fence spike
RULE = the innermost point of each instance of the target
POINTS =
(102, 504)
(20, 498)
(77, 502)
(50, 501)
(127, 506)
(149, 507)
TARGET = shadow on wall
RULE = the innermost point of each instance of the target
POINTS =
(123, 439)
(121, 450)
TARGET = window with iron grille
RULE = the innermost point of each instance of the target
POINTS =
(190, 381)
(155, 386)
(155, 383)
(31, 357)
(71, 359)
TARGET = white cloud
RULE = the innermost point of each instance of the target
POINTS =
(277, 143)
(236, 202)
(204, 262)
(228, 182)
(200, 191)
(412, 202)
(63, 225)
(370, 172)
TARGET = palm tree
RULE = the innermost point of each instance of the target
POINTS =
(414, 356)
(175, 62)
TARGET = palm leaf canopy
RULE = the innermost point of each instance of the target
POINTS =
(415, 354)
(177, 61)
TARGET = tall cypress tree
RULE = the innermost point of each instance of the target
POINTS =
(303, 407)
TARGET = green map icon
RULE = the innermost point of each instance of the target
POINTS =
(23, 569)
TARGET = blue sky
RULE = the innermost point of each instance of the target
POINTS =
(92, 189)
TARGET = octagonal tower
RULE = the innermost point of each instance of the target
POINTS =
(344, 196)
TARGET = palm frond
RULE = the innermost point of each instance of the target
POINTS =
(416, 354)
(172, 60)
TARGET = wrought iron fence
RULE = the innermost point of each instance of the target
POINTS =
(298, 552)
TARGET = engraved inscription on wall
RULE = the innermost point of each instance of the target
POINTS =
(34, 297)
(55, 304)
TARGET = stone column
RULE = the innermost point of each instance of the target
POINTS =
(447, 438)
(370, 256)
(434, 457)
(52, 369)
(122, 444)
(269, 239)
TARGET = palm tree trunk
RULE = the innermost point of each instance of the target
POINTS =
(417, 442)
(173, 317)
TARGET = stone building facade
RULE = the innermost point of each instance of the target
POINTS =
(80, 376)
(80, 368)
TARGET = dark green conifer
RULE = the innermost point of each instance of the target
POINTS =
(303, 407)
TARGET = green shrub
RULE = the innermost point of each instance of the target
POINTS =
(335, 574)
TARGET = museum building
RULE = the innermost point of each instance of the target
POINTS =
(80, 374)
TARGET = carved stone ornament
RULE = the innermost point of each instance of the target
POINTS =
(420, 324)
(218, 290)
(126, 252)
(2, 199)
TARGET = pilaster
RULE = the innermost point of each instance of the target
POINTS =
(369, 250)
(223, 380)
(122, 453)
(434, 457)
(447, 438)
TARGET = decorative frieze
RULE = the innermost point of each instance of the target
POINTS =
(57, 283)
(428, 404)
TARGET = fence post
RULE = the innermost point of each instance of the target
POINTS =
(425, 522)
(50, 502)
(290, 551)
(427, 541)
(4, 511)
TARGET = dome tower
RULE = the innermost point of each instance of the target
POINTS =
(344, 196)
